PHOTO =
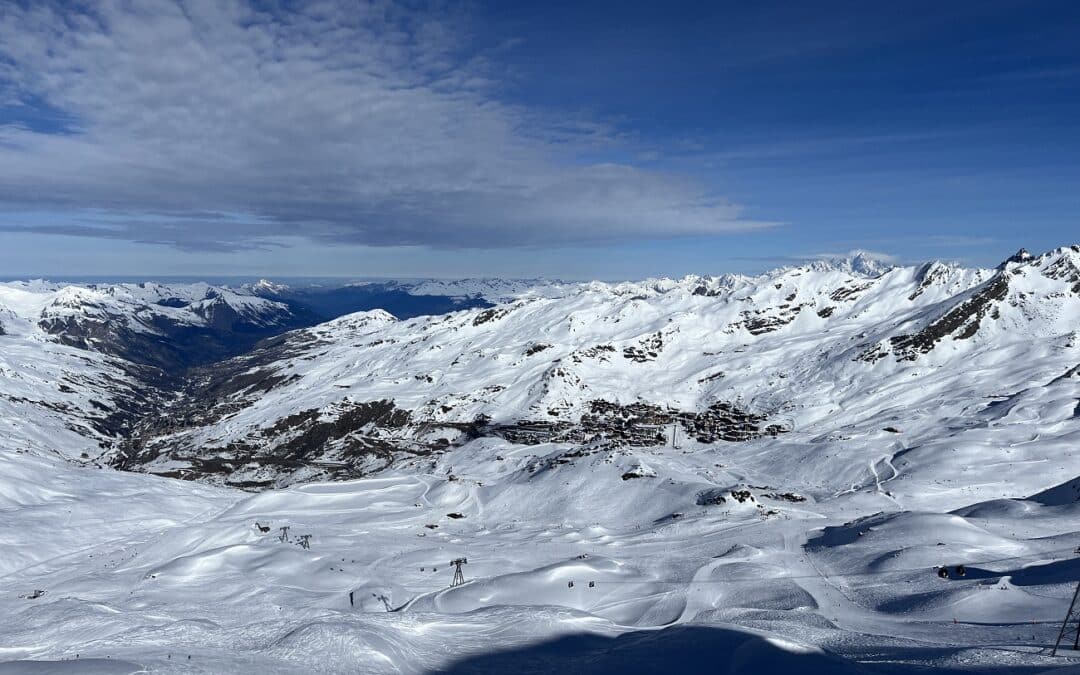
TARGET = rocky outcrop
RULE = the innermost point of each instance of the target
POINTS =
(961, 322)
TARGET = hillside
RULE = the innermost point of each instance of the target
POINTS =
(772, 469)
(803, 354)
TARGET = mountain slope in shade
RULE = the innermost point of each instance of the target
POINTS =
(167, 326)
(80, 366)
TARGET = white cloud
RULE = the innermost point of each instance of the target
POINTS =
(353, 122)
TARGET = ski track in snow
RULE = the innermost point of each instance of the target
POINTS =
(965, 454)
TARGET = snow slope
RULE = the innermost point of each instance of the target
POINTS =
(141, 306)
(818, 350)
(919, 417)
(56, 399)
(167, 326)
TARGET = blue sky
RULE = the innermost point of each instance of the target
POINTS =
(577, 140)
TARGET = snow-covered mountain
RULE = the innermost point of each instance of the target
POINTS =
(804, 352)
(169, 326)
(81, 364)
(777, 469)
(56, 398)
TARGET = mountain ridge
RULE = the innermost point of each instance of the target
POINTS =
(559, 363)
(575, 367)
(614, 458)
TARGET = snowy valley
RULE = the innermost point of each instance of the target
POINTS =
(740, 474)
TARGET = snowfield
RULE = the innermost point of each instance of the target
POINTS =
(724, 474)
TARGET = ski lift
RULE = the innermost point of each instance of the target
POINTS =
(459, 577)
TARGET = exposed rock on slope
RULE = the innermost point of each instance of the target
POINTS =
(710, 361)
(700, 360)
(170, 327)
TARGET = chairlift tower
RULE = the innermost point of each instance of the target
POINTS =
(1070, 628)
(459, 578)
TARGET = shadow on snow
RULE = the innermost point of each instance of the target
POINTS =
(696, 649)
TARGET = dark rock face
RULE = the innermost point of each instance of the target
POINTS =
(598, 352)
(489, 315)
(848, 292)
(1063, 269)
(169, 345)
(343, 443)
(647, 349)
(761, 321)
(961, 322)
(929, 274)
(1021, 256)
(785, 496)
(308, 433)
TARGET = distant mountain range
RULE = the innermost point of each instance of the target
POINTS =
(817, 350)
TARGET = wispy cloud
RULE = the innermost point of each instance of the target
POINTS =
(339, 122)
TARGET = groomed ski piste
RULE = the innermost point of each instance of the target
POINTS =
(814, 550)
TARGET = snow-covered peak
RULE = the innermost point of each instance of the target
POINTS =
(773, 346)
(859, 263)
(143, 305)
(351, 325)
(166, 325)
(1062, 264)
(266, 287)
(1020, 257)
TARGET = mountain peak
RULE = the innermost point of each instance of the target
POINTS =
(266, 286)
(1021, 256)
(857, 262)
